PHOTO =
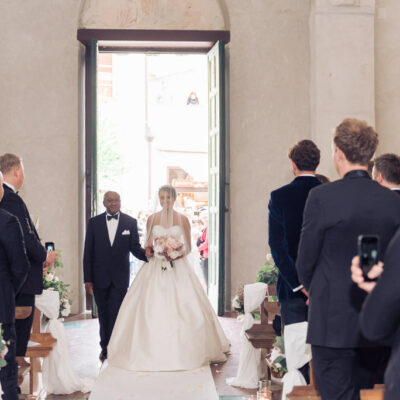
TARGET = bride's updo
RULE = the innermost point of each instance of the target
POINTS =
(169, 189)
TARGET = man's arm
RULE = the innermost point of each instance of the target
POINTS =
(16, 254)
(279, 246)
(134, 243)
(88, 254)
(311, 238)
(34, 249)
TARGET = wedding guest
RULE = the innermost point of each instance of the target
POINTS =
(13, 172)
(202, 245)
(386, 171)
(14, 268)
(286, 208)
(335, 215)
(110, 237)
(322, 178)
(380, 314)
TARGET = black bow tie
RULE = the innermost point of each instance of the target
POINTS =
(115, 216)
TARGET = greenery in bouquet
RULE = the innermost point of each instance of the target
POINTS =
(277, 359)
(52, 282)
(269, 274)
(238, 303)
(3, 350)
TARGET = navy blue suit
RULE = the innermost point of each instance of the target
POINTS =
(107, 267)
(380, 315)
(14, 268)
(36, 253)
(286, 208)
(335, 215)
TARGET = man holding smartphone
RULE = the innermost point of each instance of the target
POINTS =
(13, 172)
(335, 215)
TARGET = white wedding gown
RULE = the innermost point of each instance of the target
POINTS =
(166, 322)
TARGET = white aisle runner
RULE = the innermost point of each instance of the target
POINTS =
(118, 384)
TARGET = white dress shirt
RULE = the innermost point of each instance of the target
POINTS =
(112, 226)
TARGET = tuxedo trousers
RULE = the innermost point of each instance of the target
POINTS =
(23, 327)
(342, 372)
(108, 302)
(9, 374)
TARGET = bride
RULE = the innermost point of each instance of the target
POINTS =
(166, 322)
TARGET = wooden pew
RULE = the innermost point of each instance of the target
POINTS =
(308, 392)
(377, 393)
(262, 335)
(41, 346)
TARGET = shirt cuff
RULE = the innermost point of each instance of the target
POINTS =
(298, 288)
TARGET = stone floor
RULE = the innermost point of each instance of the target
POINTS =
(82, 332)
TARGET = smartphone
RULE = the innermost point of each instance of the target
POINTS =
(49, 246)
(368, 250)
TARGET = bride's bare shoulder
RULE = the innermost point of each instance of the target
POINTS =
(153, 219)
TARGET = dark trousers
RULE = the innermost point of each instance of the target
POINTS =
(23, 327)
(294, 311)
(9, 374)
(342, 373)
(108, 302)
(204, 269)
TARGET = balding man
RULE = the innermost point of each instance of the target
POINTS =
(386, 171)
(110, 237)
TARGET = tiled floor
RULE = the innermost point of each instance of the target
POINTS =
(82, 332)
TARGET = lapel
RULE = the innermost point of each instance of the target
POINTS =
(118, 233)
(104, 229)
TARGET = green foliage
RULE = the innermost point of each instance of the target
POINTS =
(52, 282)
(3, 350)
(268, 274)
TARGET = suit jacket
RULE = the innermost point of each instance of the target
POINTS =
(286, 208)
(380, 315)
(37, 254)
(335, 215)
(397, 191)
(104, 264)
(14, 264)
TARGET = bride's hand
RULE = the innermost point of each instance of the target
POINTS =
(149, 252)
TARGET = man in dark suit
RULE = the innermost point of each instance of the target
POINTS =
(110, 237)
(13, 171)
(14, 268)
(386, 171)
(286, 208)
(335, 215)
(380, 314)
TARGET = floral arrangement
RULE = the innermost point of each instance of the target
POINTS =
(3, 350)
(52, 282)
(238, 300)
(268, 274)
(277, 358)
(167, 248)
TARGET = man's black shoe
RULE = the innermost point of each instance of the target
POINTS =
(103, 356)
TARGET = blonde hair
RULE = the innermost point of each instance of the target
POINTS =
(169, 189)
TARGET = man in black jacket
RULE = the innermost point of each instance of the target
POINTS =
(110, 237)
(380, 314)
(13, 171)
(286, 208)
(14, 268)
(335, 215)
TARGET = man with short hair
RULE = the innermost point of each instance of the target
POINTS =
(286, 208)
(110, 237)
(13, 172)
(334, 216)
(386, 171)
(14, 268)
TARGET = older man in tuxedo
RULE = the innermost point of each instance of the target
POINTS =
(335, 215)
(386, 171)
(110, 237)
(14, 268)
(286, 208)
(13, 171)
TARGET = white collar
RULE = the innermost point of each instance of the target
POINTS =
(394, 188)
(10, 186)
(299, 176)
(109, 215)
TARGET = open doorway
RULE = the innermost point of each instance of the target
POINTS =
(210, 44)
(152, 129)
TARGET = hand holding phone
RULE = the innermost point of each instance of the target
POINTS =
(368, 251)
(49, 246)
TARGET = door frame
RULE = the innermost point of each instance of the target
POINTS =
(142, 40)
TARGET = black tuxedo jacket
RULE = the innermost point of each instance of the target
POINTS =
(335, 215)
(104, 264)
(380, 315)
(286, 208)
(36, 253)
(14, 264)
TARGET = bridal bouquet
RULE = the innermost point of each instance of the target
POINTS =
(167, 248)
